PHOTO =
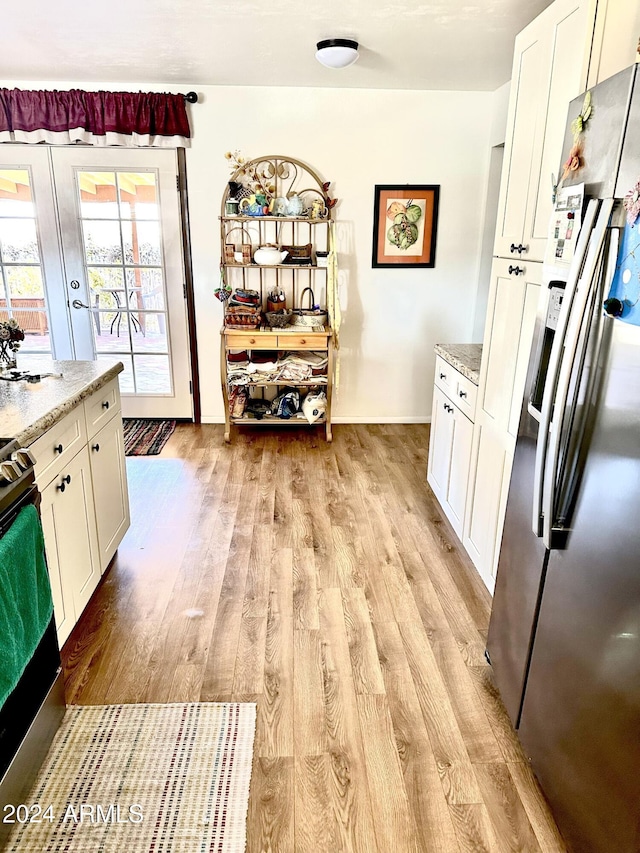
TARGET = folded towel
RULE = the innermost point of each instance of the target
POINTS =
(25, 597)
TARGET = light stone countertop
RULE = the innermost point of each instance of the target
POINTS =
(464, 357)
(27, 409)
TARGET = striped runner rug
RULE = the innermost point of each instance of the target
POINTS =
(146, 437)
(142, 779)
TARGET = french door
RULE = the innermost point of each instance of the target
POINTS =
(91, 256)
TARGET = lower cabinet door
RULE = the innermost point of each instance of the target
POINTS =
(70, 540)
(449, 457)
(109, 488)
(492, 456)
(459, 470)
(440, 441)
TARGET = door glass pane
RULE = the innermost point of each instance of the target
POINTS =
(98, 198)
(152, 374)
(141, 242)
(22, 285)
(138, 196)
(19, 241)
(151, 333)
(102, 242)
(124, 263)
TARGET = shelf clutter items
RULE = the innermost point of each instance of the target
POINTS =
(278, 284)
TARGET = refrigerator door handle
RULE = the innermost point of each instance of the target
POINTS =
(574, 325)
(554, 363)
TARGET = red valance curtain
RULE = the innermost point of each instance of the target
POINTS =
(132, 119)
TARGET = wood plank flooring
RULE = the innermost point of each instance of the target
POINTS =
(322, 582)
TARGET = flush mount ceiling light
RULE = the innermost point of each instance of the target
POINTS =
(337, 53)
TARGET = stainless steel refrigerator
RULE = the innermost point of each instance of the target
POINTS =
(564, 636)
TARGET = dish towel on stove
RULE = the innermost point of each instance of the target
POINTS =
(25, 597)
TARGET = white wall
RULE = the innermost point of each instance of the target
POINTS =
(356, 138)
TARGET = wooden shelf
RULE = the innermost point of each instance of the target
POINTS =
(270, 419)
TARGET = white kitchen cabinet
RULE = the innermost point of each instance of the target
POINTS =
(615, 39)
(68, 522)
(450, 444)
(511, 314)
(550, 68)
(80, 471)
(110, 495)
(491, 461)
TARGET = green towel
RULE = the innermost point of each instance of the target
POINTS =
(25, 597)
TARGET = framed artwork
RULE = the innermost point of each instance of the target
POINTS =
(405, 220)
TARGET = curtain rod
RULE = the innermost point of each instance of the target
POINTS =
(191, 97)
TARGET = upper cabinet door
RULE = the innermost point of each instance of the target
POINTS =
(615, 39)
(550, 68)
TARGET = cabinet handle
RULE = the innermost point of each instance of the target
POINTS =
(519, 248)
(443, 376)
(95, 447)
(302, 341)
(516, 270)
(65, 480)
(252, 340)
(448, 408)
(462, 393)
(58, 448)
(105, 405)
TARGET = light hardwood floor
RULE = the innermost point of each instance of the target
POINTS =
(322, 582)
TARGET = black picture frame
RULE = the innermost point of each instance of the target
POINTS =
(424, 199)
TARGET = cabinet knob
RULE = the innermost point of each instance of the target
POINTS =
(519, 248)
(58, 448)
(105, 405)
(462, 393)
(95, 447)
(516, 270)
(252, 340)
(443, 376)
(302, 341)
(65, 482)
(448, 408)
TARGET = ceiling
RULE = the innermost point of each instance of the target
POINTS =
(405, 44)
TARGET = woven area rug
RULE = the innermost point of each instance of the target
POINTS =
(144, 437)
(143, 779)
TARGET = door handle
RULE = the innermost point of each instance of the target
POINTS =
(77, 304)
(594, 257)
(555, 359)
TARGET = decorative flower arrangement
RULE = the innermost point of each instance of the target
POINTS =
(632, 204)
(258, 183)
(11, 336)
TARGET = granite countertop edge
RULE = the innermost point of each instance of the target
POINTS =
(463, 357)
(41, 424)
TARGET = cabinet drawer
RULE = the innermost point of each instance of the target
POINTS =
(255, 339)
(101, 406)
(465, 395)
(445, 377)
(59, 445)
(302, 340)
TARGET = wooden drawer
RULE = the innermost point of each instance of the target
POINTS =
(465, 395)
(101, 406)
(252, 340)
(59, 445)
(446, 377)
(302, 340)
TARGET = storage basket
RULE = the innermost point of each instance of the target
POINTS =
(242, 318)
(308, 316)
(278, 319)
(245, 247)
